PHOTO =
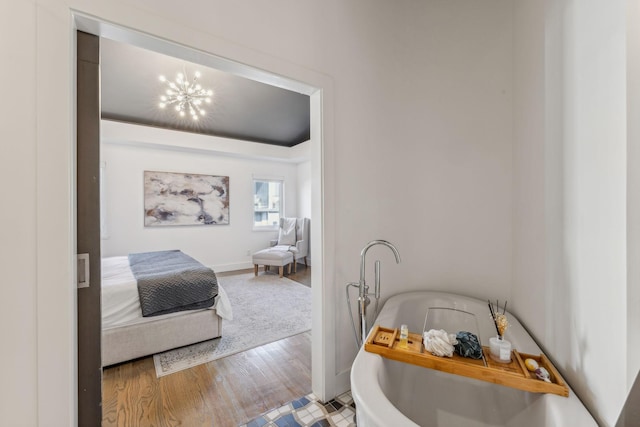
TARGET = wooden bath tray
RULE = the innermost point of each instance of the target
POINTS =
(385, 342)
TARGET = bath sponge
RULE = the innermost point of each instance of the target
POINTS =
(439, 342)
(468, 345)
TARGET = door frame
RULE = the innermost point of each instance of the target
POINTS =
(319, 87)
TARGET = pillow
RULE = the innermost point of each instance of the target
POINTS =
(287, 233)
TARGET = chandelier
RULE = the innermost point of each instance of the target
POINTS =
(185, 96)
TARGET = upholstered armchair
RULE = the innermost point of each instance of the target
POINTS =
(295, 236)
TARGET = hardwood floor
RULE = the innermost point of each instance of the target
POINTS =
(226, 392)
(303, 275)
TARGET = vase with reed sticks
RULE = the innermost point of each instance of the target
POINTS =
(500, 349)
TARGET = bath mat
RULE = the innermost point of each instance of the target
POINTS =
(266, 308)
(309, 411)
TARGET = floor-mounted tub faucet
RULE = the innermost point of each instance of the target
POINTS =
(363, 289)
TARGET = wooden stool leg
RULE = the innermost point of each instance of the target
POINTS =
(281, 270)
(255, 269)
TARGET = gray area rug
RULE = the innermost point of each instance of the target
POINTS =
(265, 309)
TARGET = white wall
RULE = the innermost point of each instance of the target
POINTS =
(221, 247)
(530, 256)
(304, 194)
(633, 190)
(424, 159)
(18, 241)
(304, 189)
(570, 229)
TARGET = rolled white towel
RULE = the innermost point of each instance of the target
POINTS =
(439, 342)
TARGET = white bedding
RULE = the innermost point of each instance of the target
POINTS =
(120, 303)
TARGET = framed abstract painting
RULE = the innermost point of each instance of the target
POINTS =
(172, 198)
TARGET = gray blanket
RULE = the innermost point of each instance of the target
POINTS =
(170, 281)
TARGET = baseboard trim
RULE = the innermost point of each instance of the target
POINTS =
(231, 267)
(221, 268)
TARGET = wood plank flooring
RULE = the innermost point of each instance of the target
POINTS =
(226, 392)
(303, 275)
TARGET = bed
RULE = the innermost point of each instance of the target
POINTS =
(127, 334)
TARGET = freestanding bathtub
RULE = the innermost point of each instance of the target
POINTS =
(388, 393)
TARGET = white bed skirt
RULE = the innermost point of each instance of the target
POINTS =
(143, 339)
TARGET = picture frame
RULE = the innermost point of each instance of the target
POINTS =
(179, 199)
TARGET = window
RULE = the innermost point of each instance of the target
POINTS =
(268, 202)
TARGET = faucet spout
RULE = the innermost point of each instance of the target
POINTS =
(363, 256)
(363, 288)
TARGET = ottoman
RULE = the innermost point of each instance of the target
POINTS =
(272, 257)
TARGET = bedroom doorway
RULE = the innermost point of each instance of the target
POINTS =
(320, 373)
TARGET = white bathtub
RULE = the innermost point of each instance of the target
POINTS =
(395, 394)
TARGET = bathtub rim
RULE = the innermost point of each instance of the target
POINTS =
(372, 402)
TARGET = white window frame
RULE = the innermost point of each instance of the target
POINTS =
(281, 202)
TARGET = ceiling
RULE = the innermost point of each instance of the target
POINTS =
(240, 108)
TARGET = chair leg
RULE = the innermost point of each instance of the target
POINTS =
(295, 265)
(289, 272)
(305, 261)
(281, 270)
(255, 269)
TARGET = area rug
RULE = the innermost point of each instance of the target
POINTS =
(265, 308)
